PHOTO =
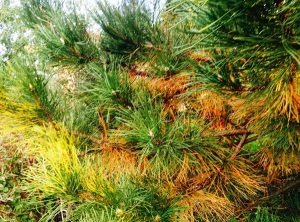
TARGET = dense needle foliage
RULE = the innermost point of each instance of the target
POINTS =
(185, 111)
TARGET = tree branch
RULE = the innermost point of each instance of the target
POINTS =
(103, 124)
(262, 199)
(239, 146)
(228, 133)
(251, 139)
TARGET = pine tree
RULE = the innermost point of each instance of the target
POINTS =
(186, 113)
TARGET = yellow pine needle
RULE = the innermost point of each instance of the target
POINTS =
(207, 206)
(93, 178)
(238, 178)
(284, 163)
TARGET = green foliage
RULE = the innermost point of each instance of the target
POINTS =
(240, 25)
(244, 43)
(33, 86)
(132, 31)
(65, 38)
(166, 143)
(127, 28)
(251, 52)
(59, 173)
(129, 202)
(39, 11)
(263, 215)
(12, 41)
(168, 58)
(91, 212)
(109, 89)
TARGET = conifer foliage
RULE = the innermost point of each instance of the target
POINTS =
(187, 112)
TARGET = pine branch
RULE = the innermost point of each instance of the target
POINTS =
(239, 146)
(266, 198)
(228, 133)
(237, 150)
(253, 138)
(103, 124)
(281, 191)
(41, 105)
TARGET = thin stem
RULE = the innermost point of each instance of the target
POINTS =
(228, 133)
(239, 146)
(103, 124)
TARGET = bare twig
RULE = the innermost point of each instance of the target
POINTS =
(239, 146)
